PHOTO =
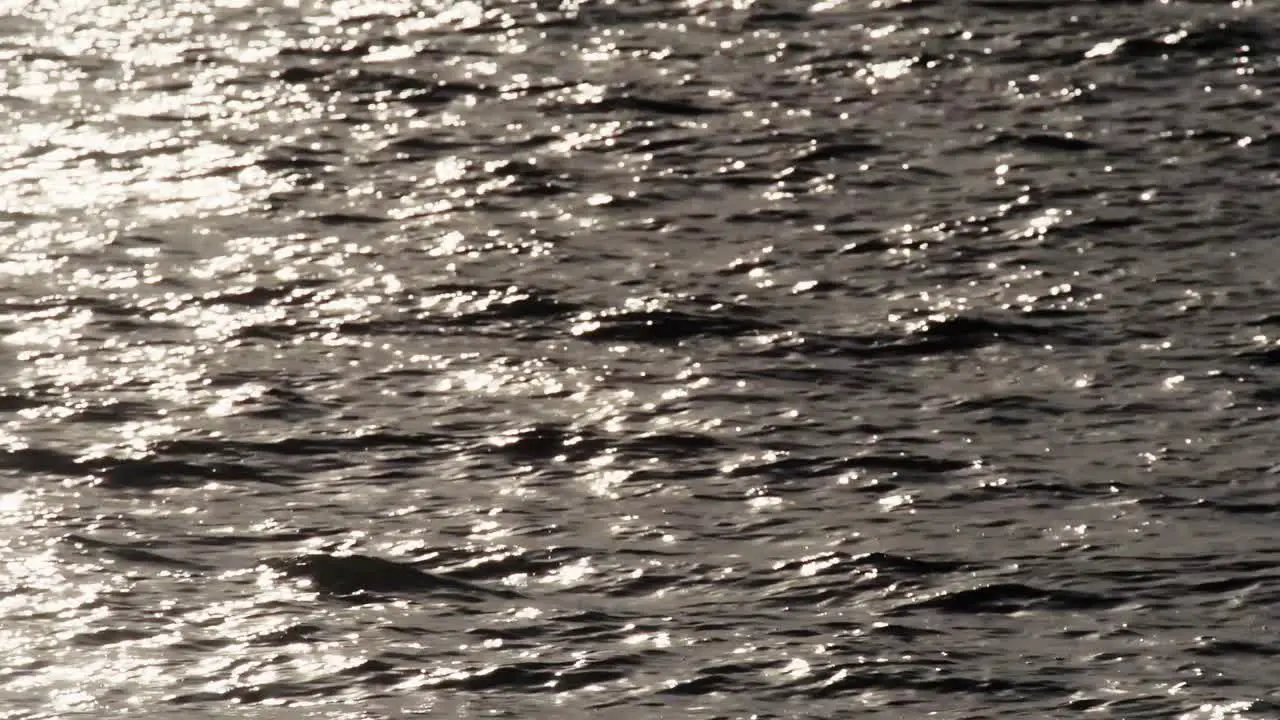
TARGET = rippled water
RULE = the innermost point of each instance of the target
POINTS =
(654, 359)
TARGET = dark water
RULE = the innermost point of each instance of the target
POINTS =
(639, 359)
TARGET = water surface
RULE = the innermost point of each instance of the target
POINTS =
(654, 359)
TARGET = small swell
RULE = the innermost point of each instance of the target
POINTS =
(630, 101)
(529, 677)
(1234, 648)
(840, 151)
(499, 565)
(953, 335)
(348, 575)
(1008, 598)
(13, 403)
(856, 679)
(705, 683)
(145, 473)
(894, 462)
(304, 446)
(907, 462)
(902, 632)
(527, 305)
(668, 327)
(41, 461)
(342, 219)
(835, 564)
(1264, 358)
(135, 473)
(129, 552)
(548, 441)
(669, 443)
(827, 579)
(1042, 142)
(1203, 39)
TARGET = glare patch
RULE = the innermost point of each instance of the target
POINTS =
(885, 71)
(357, 9)
(459, 16)
(451, 169)
(234, 400)
(604, 481)
(136, 440)
(603, 134)
(50, 329)
(573, 573)
(91, 168)
(1222, 711)
(1103, 49)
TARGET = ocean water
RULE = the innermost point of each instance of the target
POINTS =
(639, 359)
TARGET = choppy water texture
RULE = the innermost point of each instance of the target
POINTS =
(639, 359)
